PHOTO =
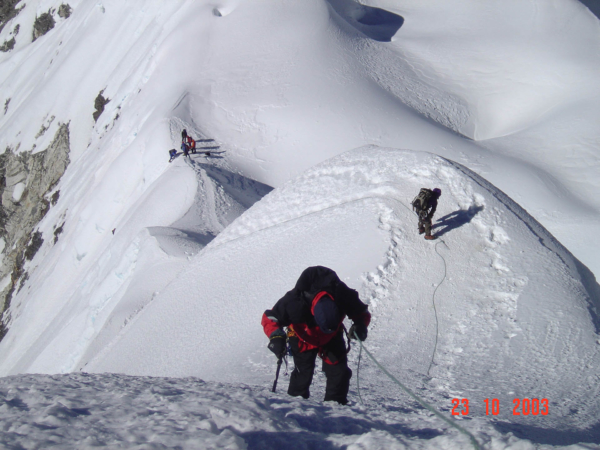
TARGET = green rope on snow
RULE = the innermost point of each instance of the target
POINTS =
(419, 400)
(437, 323)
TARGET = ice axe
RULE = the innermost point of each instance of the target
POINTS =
(279, 361)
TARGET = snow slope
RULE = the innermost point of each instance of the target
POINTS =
(120, 285)
(524, 70)
(506, 329)
(277, 116)
(78, 411)
(154, 275)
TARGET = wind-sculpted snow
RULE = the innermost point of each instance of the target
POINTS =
(514, 319)
(518, 77)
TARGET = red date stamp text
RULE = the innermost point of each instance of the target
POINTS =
(521, 406)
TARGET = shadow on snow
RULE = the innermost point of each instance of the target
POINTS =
(316, 430)
(593, 6)
(375, 23)
(456, 219)
(545, 436)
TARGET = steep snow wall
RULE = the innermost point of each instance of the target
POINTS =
(116, 161)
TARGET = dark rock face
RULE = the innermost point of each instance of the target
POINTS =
(8, 45)
(42, 25)
(99, 104)
(8, 11)
(64, 11)
(34, 245)
(26, 180)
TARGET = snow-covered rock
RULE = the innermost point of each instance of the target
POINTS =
(27, 193)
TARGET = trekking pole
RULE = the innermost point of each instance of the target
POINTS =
(279, 361)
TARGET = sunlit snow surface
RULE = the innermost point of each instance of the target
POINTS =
(80, 411)
(164, 269)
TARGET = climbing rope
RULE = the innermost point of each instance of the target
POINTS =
(441, 241)
(437, 323)
(421, 402)
(424, 404)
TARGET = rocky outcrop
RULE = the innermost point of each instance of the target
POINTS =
(8, 11)
(43, 24)
(7, 46)
(99, 104)
(26, 184)
(64, 11)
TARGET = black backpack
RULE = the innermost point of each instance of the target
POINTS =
(421, 201)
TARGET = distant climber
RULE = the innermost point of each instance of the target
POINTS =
(425, 204)
(172, 154)
(313, 313)
(188, 142)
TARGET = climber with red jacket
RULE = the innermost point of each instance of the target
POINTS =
(313, 312)
(188, 144)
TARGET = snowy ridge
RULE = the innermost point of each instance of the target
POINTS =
(506, 329)
(585, 276)
(121, 289)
